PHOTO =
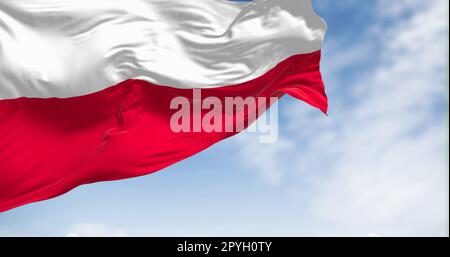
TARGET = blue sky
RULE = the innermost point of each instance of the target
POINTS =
(377, 165)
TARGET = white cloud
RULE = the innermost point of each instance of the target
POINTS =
(258, 156)
(377, 164)
(94, 230)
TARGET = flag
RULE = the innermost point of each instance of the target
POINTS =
(87, 86)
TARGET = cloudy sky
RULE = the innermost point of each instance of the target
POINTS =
(377, 165)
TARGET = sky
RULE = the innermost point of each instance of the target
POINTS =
(377, 165)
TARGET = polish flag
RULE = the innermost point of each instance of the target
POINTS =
(86, 85)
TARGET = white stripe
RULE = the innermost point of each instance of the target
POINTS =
(64, 48)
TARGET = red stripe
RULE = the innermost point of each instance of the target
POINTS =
(49, 146)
